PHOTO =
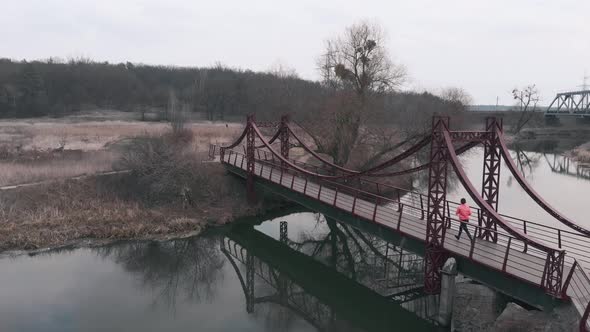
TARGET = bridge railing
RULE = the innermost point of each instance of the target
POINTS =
(403, 218)
(213, 151)
(577, 287)
(573, 242)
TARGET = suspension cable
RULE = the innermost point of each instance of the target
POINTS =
(532, 193)
(483, 205)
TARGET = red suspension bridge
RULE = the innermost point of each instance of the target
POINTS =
(516, 256)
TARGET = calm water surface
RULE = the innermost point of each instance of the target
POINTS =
(566, 191)
(195, 285)
(200, 284)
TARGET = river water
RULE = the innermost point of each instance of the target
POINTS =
(317, 274)
(561, 182)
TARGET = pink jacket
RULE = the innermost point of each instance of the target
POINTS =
(463, 211)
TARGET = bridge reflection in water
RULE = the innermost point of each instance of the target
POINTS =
(347, 280)
(564, 165)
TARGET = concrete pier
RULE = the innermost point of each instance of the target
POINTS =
(447, 293)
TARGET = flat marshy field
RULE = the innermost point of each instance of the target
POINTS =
(35, 150)
(54, 191)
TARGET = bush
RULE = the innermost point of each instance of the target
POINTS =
(160, 170)
(166, 172)
(180, 137)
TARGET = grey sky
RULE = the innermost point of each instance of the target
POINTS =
(486, 47)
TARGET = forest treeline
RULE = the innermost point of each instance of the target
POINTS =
(58, 88)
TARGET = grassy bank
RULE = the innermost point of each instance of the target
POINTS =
(168, 190)
(110, 208)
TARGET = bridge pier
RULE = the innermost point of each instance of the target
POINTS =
(447, 293)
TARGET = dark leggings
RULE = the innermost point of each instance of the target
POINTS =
(464, 227)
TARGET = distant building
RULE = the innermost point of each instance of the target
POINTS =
(499, 108)
(489, 108)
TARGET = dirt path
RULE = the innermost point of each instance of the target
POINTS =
(79, 177)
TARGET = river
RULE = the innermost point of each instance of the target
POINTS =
(318, 275)
(565, 188)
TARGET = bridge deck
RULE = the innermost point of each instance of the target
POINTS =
(526, 266)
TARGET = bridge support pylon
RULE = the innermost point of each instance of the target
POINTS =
(490, 187)
(250, 162)
(447, 294)
(284, 137)
(552, 279)
(436, 217)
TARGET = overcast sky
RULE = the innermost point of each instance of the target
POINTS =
(485, 47)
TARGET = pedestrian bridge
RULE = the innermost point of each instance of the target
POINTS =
(540, 265)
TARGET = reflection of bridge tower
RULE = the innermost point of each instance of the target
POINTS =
(388, 268)
(564, 165)
(287, 294)
(282, 281)
(317, 293)
(249, 283)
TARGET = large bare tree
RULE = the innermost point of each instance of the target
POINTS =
(359, 60)
(358, 69)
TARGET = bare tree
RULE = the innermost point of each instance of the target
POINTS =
(360, 61)
(527, 100)
(181, 270)
(176, 113)
(199, 101)
(358, 69)
(457, 95)
(281, 70)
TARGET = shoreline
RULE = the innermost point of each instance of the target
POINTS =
(96, 242)
(96, 210)
(273, 213)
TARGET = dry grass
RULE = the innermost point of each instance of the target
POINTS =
(111, 208)
(25, 171)
(53, 215)
(97, 135)
(100, 139)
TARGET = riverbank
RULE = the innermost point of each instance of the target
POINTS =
(68, 179)
(571, 139)
(479, 308)
(107, 176)
(110, 208)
